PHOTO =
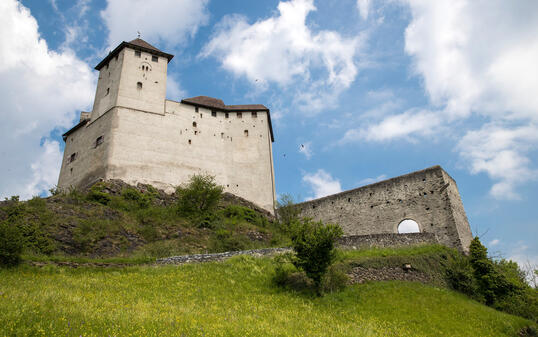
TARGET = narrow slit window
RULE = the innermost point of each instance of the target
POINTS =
(72, 157)
(155, 59)
(254, 114)
(190, 142)
(245, 133)
(139, 85)
(107, 91)
(213, 114)
(99, 141)
(193, 124)
(239, 115)
(138, 53)
(226, 115)
(195, 109)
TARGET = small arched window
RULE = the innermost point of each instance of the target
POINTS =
(139, 85)
(193, 124)
(408, 226)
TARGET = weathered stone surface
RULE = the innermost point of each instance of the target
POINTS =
(430, 197)
(220, 256)
(361, 275)
(386, 240)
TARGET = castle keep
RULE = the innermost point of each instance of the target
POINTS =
(136, 135)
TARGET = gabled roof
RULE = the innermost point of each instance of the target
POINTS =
(136, 44)
(218, 105)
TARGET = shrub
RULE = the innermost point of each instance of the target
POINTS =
(199, 197)
(142, 200)
(314, 247)
(335, 279)
(10, 245)
(288, 213)
(459, 273)
(96, 194)
(242, 213)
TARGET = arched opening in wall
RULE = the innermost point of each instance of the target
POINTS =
(408, 226)
(193, 124)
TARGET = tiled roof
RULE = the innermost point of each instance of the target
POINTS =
(136, 44)
(218, 104)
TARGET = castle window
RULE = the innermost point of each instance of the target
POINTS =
(190, 142)
(239, 115)
(116, 58)
(195, 133)
(226, 115)
(107, 91)
(246, 133)
(72, 157)
(138, 53)
(408, 226)
(155, 59)
(99, 141)
(195, 109)
(222, 135)
(107, 66)
(201, 116)
(213, 113)
(254, 114)
(193, 124)
(139, 85)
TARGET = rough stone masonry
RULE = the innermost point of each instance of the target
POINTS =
(430, 197)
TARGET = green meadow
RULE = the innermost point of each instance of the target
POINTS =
(231, 298)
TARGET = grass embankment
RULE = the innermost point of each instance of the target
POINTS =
(233, 298)
(129, 225)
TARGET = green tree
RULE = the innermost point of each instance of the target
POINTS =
(10, 245)
(314, 247)
(199, 196)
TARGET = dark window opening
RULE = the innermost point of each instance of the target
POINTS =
(71, 170)
(72, 157)
(107, 66)
(116, 57)
(99, 141)
(213, 114)
(222, 135)
(348, 199)
(138, 53)
(201, 116)
(195, 109)
(239, 115)
(195, 133)
(190, 142)
(139, 85)
(226, 115)
(246, 133)
(107, 91)
(155, 59)
(193, 124)
(254, 114)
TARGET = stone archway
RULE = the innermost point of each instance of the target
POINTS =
(408, 226)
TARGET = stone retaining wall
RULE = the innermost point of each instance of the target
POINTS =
(220, 256)
(386, 240)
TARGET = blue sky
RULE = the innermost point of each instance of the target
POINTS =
(372, 89)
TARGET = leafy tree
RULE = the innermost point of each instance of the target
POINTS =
(287, 212)
(314, 246)
(10, 245)
(199, 196)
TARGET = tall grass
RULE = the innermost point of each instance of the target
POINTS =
(232, 298)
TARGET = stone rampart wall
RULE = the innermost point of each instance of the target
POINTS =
(429, 197)
(386, 240)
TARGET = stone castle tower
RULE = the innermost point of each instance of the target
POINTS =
(135, 134)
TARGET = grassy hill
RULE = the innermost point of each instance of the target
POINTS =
(233, 298)
(115, 220)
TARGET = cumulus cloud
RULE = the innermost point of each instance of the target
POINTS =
(41, 90)
(284, 50)
(322, 184)
(166, 22)
(404, 125)
(364, 8)
(494, 242)
(476, 59)
(500, 152)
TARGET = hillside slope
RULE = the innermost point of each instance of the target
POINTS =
(231, 298)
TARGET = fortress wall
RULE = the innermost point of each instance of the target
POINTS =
(428, 197)
(154, 149)
(386, 240)
(90, 164)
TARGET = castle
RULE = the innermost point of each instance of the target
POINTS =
(136, 135)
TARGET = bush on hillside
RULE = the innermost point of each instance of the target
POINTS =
(288, 213)
(199, 197)
(314, 247)
(10, 245)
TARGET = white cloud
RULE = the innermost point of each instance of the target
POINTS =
(306, 149)
(500, 152)
(322, 184)
(284, 50)
(494, 242)
(169, 22)
(364, 8)
(367, 181)
(41, 90)
(404, 125)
